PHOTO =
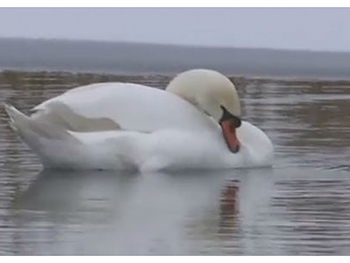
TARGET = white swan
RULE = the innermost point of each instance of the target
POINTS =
(193, 124)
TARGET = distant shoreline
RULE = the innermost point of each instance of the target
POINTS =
(136, 43)
(160, 59)
(18, 77)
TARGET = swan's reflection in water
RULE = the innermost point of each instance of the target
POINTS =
(229, 203)
(235, 222)
(62, 193)
(241, 212)
(118, 213)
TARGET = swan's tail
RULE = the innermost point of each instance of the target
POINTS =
(40, 136)
(27, 127)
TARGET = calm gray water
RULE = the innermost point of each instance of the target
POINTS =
(301, 206)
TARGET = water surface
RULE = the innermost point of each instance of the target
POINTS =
(301, 206)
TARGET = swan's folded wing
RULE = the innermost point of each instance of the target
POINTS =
(62, 115)
(130, 106)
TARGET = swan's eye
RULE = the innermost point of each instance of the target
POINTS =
(237, 122)
(226, 115)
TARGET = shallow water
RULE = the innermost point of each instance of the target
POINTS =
(301, 206)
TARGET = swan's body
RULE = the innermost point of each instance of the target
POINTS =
(130, 126)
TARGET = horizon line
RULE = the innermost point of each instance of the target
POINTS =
(99, 41)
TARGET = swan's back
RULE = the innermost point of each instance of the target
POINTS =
(131, 106)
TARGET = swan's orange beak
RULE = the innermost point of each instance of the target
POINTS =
(229, 131)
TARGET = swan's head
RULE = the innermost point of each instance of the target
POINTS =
(215, 95)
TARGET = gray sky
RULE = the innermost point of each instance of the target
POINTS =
(314, 29)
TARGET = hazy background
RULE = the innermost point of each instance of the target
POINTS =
(259, 42)
(283, 28)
